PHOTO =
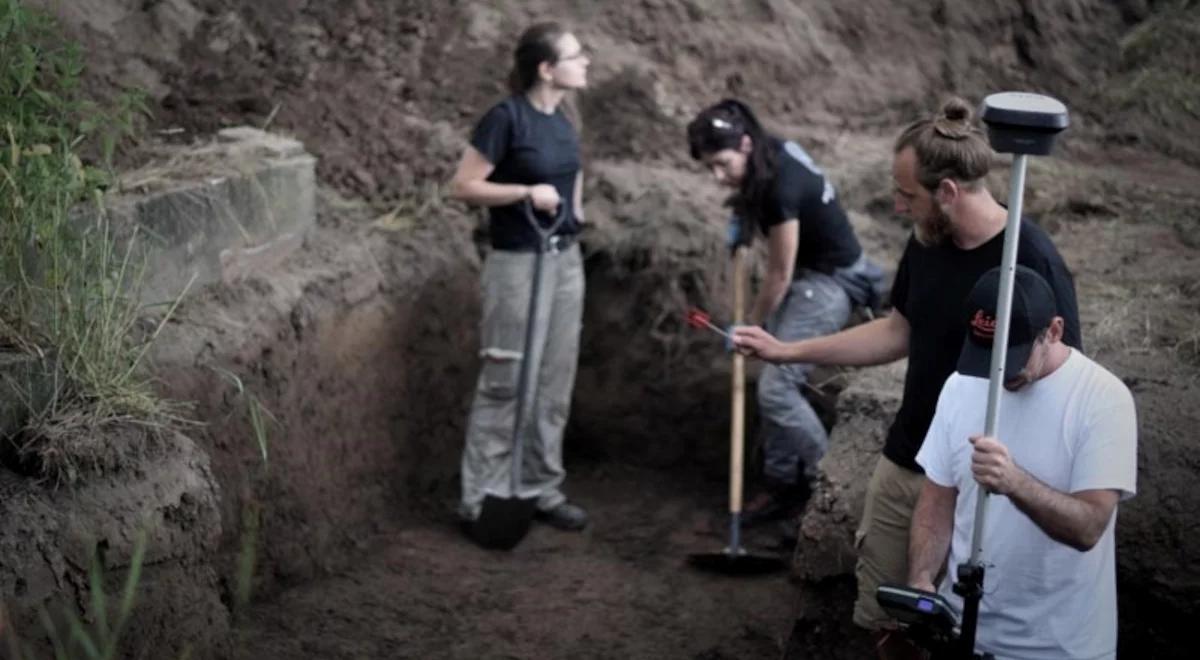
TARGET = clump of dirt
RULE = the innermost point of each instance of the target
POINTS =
(72, 446)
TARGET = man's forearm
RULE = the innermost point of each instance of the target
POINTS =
(486, 193)
(1077, 520)
(929, 536)
(875, 342)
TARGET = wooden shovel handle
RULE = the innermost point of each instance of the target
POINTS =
(737, 420)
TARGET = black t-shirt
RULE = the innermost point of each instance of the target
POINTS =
(801, 192)
(931, 287)
(528, 147)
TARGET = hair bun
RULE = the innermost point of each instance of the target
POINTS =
(956, 109)
(954, 119)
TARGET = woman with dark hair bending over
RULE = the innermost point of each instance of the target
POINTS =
(816, 273)
(525, 151)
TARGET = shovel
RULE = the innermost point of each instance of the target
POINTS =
(734, 560)
(504, 521)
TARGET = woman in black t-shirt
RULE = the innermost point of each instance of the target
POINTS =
(816, 272)
(525, 151)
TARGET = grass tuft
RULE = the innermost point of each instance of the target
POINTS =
(67, 295)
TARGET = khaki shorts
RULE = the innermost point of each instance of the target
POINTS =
(882, 538)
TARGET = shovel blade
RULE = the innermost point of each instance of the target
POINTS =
(502, 522)
(727, 563)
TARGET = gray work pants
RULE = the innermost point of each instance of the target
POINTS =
(794, 439)
(487, 456)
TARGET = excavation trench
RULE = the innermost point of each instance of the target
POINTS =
(362, 347)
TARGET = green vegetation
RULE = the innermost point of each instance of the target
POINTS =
(66, 294)
(1156, 93)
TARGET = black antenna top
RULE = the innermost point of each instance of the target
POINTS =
(1023, 123)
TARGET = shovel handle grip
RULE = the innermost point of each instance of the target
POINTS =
(737, 419)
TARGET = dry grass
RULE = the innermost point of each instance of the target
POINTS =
(429, 201)
(1142, 318)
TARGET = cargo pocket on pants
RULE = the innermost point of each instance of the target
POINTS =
(496, 403)
(500, 372)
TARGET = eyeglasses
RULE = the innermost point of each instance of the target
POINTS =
(721, 124)
(582, 53)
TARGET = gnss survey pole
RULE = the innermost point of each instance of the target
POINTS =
(1024, 125)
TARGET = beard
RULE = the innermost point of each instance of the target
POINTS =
(933, 230)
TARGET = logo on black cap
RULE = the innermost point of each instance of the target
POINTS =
(983, 326)
(1033, 308)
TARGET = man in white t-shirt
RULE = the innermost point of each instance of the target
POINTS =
(1064, 454)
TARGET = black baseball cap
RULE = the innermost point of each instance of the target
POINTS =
(1033, 308)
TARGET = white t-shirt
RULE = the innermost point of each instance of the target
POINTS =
(1074, 430)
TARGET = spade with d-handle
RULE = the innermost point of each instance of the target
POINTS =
(1024, 125)
(504, 521)
(734, 560)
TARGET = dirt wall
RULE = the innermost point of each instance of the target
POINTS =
(48, 535)
(358, 349)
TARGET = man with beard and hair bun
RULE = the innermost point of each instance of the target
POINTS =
(938, 171)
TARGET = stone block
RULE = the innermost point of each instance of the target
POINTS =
(204, 214)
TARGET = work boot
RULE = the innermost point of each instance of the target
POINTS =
(775, 502)
(565, 516)
(466, 517)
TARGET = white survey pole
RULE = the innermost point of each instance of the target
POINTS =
(1024, 125)
(1008, 271)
